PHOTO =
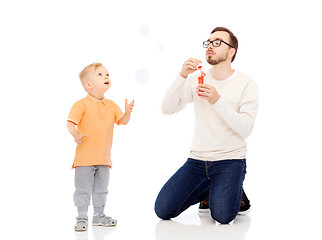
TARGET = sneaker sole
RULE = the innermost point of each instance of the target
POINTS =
(204, 210)
(80, 230)
(103, 225)
(208, 211)
(244, 212)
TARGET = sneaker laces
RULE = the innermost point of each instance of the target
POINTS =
(242, 203)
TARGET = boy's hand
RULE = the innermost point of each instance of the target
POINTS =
(129, 106)
(128, 109)
(71, 126)
(78, 138)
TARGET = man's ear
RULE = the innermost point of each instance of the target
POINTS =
(231, 52)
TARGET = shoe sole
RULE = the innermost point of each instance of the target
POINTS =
(208, 211)
(244, 212)
(80, 230)
(204, 210)
(102, 225)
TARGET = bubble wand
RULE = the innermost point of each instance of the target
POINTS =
(200, 79)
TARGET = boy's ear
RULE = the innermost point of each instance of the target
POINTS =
(88, 85)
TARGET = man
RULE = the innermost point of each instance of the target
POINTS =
(225, 111)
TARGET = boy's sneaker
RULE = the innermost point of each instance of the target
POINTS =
(81, 224)
(244, 205)
(102, 220)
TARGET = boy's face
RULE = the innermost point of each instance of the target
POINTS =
(99, 79)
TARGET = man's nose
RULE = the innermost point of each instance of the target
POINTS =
(209, 48)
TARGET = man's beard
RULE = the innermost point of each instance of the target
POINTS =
(216, 61)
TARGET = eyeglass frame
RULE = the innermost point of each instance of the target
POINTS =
(212, 42)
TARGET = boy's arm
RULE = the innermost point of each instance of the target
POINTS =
(128, 109)
(73, 131)
(125, 119)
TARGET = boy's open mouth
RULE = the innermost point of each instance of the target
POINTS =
(107, 82)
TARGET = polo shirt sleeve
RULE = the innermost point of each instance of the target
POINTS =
(118, 114)
(76, 113)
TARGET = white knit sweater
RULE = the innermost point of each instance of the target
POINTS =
(221, 128)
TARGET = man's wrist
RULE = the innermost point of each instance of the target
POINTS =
(215, 100)
(183, 75)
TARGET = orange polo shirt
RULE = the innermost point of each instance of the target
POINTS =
(96, 119)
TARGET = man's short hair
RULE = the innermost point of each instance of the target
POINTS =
(233, 39)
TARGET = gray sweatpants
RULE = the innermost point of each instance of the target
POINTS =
(91, 181)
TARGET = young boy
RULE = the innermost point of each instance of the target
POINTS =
(94, 117)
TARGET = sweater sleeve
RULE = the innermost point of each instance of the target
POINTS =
(243, 120)
(177, 96)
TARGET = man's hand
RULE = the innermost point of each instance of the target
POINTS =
(189, 66)
(208, 92)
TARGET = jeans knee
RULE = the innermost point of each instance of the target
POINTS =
(161, 213)
(223, 218)
(165, 210)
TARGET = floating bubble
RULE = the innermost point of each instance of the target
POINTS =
(144, 30)
(161, 47)
(142, 76)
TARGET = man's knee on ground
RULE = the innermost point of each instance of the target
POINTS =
(223, 218)
(164, 211)
(161, 213)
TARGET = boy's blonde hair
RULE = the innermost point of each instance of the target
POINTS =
(87, 69)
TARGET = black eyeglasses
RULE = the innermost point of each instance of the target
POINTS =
(215, 43)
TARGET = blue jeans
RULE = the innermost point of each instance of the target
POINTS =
(192, 182)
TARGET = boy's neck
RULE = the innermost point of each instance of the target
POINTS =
(97, 96)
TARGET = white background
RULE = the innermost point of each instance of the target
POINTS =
(45, 44)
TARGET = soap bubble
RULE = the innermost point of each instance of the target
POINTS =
(144, 30)
(142, 76)
(161, 47)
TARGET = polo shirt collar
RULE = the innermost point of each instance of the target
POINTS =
(95, 100)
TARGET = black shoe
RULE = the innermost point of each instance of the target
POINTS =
(244, 205)
(204, 207)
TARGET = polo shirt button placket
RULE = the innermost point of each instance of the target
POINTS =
(100, 109)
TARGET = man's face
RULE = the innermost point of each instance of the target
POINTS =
(99, 79)
(216, 55)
